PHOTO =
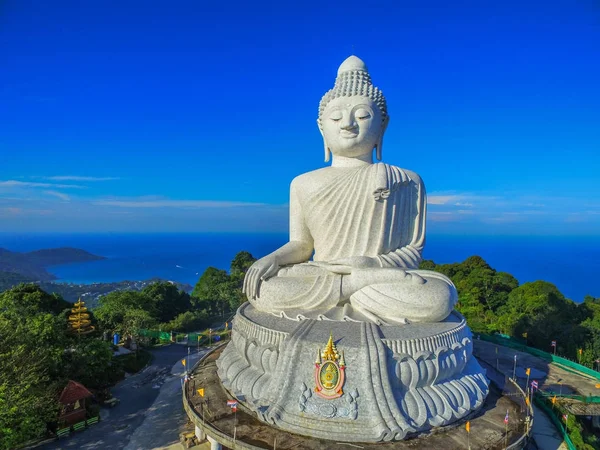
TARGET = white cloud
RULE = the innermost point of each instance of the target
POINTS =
(442, 199)
(442, 216)
(60, 195)
(32, 184)
(166, 203)
(78, 178)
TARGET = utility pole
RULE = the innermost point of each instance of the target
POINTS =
(515, 369)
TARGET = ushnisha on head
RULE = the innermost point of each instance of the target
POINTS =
(353, 115)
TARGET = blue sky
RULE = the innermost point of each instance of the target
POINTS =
(195, 116)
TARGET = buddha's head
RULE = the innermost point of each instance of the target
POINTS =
(353, 115)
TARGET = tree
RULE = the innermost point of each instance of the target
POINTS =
(134, 320)
(31, 297)
(90, 363)
(27, 392)
(187, 321)
(32, 343)
(241, 263)
(167, 300)
(481, 290)
(113, 307)
(210, 290)
(541, 310)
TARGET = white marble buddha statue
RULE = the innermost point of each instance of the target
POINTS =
(362, 223)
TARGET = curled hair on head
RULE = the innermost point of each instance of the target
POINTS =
(353, 79)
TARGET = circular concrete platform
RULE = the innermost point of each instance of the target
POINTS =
(243, 430)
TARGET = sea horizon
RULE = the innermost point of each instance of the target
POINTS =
(569, 262)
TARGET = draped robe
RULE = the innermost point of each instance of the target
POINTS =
(376, 210)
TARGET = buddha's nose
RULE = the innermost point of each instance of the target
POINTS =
(348, 124)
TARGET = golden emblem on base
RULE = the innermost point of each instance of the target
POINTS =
(330, 369)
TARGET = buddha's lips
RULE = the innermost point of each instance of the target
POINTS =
(348, 134)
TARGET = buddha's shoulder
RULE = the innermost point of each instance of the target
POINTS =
(310, 178)
(402, 173)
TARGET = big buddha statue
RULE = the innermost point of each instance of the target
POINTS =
(364, 222)
(343, 337)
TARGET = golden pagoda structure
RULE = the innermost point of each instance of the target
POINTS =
(79, 319)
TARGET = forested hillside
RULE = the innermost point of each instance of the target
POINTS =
(536, 312)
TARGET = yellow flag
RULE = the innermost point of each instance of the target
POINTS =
(468, 426)
(183, 362)
(226, 324)
(526, 401)
(580, 351)
(525, 334)
(199, 336)
(528, 371)
(201, 392)
(554, 400)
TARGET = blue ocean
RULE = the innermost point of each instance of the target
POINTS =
(571, 263)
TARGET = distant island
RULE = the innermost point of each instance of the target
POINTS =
(31, 266)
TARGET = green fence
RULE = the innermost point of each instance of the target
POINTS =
(507, 341)
(192, 338)
(162, 335)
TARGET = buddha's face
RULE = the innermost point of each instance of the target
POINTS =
(351, 126)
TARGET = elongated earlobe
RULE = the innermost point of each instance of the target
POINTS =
(379, 146)
(327, 151)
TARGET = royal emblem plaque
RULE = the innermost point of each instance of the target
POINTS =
(330, 371)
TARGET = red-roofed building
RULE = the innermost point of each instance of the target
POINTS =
(73, 400)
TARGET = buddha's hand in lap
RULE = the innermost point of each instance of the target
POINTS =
(345, 266)
(261, 270)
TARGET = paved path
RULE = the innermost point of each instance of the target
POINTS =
(149, 415)
(165, 419)
(544, 433)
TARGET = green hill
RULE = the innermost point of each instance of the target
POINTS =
(32, 265)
